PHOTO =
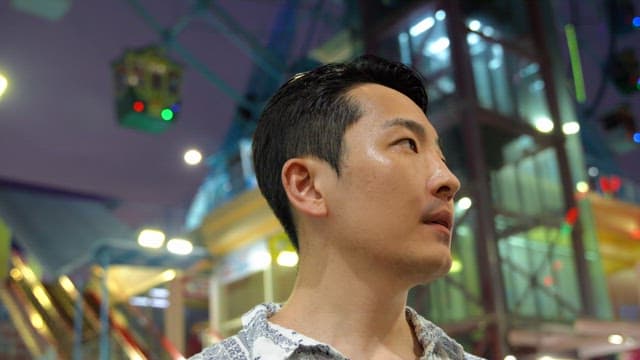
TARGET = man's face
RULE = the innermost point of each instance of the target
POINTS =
(392, 203)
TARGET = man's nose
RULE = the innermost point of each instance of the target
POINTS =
(444, 184)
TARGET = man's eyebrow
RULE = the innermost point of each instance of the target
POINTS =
(413, 126)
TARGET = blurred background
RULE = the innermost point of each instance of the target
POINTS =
(130, 222)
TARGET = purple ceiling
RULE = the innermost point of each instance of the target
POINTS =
(57, 120)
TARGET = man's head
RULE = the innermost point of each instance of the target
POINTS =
(309, 115)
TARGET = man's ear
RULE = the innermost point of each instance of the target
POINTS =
(301, 183)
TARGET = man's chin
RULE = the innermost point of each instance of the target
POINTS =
(431, 271)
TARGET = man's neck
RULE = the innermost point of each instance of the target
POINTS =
(360, 313)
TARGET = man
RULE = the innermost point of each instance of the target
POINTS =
(350, 165)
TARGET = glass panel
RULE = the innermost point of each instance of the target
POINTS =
(422, 42)
(491, 75)
(539, 274)
(529, 89)
(506, 82)
(536, 256)
(529, 181)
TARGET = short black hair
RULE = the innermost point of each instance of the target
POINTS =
(309, 115)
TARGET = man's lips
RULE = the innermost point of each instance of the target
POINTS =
(442, 217)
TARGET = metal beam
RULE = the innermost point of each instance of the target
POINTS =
(219, 18)
(168, 37)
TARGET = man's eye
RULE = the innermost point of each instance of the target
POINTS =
(410, 143)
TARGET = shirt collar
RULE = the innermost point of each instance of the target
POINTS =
(435, 342)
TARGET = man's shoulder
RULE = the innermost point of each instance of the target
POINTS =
(231, 348)
(436, 341)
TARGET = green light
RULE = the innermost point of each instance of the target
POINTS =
(576, 65)
(166, 114)
(565, 229)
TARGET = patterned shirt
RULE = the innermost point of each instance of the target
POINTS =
(261, 340)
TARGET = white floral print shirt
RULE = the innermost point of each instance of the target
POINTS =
(261, 340)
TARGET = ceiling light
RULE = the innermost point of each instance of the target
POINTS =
(510, 357)
(287, 258)
(159, 293)
(488, 31)
(616, 339)
(475, 25)
(4, 83)
(150, 238)
(180, 246)
(464, 203)
(260, 259)
(168, 275)
(192, 157)
(422, 26)
(441, 15)
(570, 128)
(473, 38)
(439, 45)
(543, 124)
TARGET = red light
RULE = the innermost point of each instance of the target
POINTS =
(138, 106)
(571, 216)
(615, 183)
(635, 233)
(605, 186)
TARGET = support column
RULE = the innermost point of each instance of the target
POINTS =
(488, 255)
(103, 259)
(540, 24)
(174, 326)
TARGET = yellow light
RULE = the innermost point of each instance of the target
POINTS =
(168, 275)
(616, 339)
(582, 186)
(36, 320)
(180, 246)
(28, 274)
(543, 124)
(67, 284)
(4, 84)
(456, 266)
(193, 157)
(41, 295)
(287, 258)
(151, 238)
(15, 274)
